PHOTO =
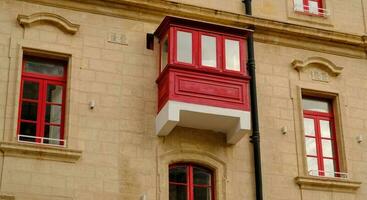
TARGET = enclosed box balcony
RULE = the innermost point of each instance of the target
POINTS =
(203, 82)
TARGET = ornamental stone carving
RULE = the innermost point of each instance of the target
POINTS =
(54, 19)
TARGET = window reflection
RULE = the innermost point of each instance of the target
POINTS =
(208, 51)
(164, 53)
(232, 50)
(184, 47)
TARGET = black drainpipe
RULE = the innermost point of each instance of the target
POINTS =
(255, 137)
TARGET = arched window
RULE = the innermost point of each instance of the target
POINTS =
(190, 182)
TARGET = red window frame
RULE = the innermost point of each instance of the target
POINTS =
(190, 179)
(43, 81)
(316, 117)
(196, 50)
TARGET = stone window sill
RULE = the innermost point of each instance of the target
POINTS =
(6, 197)
(328, 184)
(41, 152)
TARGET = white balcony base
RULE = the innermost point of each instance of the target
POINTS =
(234, 123)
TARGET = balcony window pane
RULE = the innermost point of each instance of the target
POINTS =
(202, 193)
(313, 7)
(178, 174)
(327, 148)
(312, 166)
(53, 114)
(208, 51)
(30, 90)
(316, 105)
(164, 54)
(311, 146)
(184, 47)
(54, 93)
(28, 131)
(29, 111)
(329, 167)
(298, 5)
(309, 126)
(232, 49)
(202, 176)
(177, 192)
(325, 129)
(52, 134)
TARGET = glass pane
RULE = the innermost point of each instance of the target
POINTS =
(184, 47)
(298, 5)
(53, 114)
(327, 148)
(309, 126)
(202, 176)
(232, 48)
(202, 193)
(164, 54)
(313, 7)
(29, 111)
(30, 90)
(316, 105)
(311, 146)
(177, 192)
(329, 167)
(312, 166)
(52, 133)
(41, 66)
(325, 129)
(208, 51)
(177, 174)
(54, 93)
(27, 129)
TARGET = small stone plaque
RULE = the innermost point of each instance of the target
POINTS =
(118, 38)
(319, 76)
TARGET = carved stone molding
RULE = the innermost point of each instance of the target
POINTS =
(6, 197)
(41, 152)
(320, 62)
(54, 19)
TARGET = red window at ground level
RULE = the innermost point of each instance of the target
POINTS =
(190, 182)
(320, 138)
(42, 101)
(314, 7)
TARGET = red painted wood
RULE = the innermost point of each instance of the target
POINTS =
(43, 81)
(204, 89)
(316, 117)
(198, 84)
(190, 180)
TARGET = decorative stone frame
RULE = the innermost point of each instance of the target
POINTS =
(314, 19)
(192, 156)
(10, 145)
(55, 19)
(309, 87)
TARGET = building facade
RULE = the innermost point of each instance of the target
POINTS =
(150, 99)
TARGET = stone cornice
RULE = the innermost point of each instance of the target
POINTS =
(269, 31)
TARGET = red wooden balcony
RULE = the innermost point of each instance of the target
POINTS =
(203, 82)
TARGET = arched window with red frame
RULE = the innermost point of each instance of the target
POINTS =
(320, 138)
(42, 101)
(190, 182)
